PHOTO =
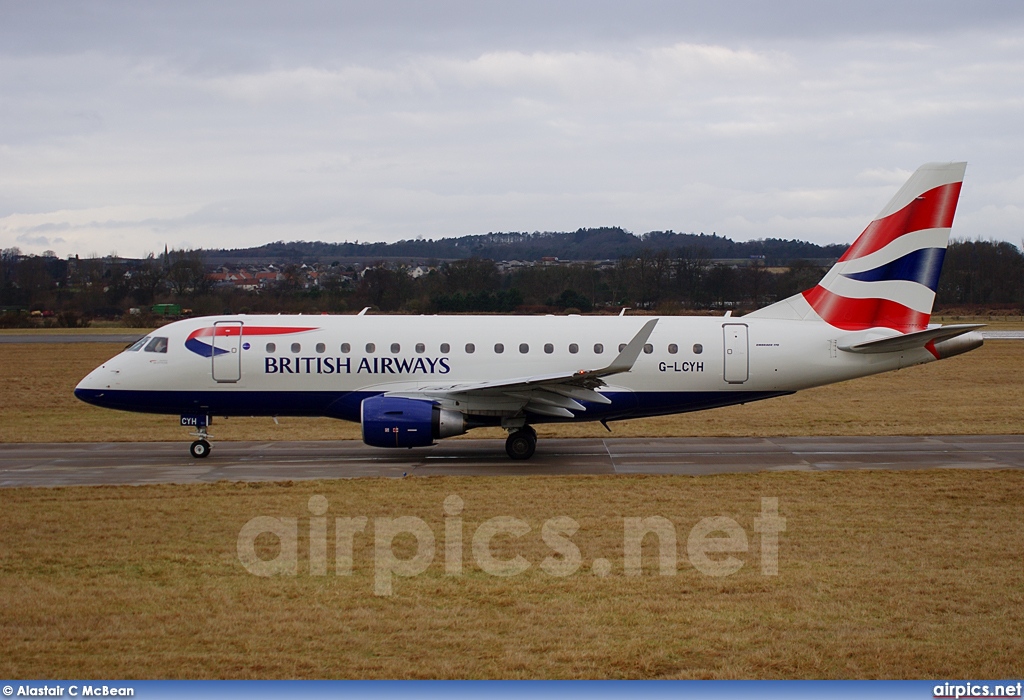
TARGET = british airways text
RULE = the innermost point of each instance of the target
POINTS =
(347, 365)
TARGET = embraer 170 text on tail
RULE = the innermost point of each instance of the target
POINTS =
(411, 380)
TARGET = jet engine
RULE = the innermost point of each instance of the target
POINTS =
(391, 421)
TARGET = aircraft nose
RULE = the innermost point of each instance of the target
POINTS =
(93, 396)
(96, 384)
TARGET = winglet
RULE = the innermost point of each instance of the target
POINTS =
(572, 386)
(627, 358)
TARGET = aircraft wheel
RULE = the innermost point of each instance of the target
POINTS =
(521, 444)
(199, 449)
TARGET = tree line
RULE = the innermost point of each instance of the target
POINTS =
(585, 244)
(975, 273)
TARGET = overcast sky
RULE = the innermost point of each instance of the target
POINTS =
(125, 126)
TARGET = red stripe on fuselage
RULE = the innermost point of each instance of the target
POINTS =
(226, 331)
(858, 314)
(270, 330)
(933, 209)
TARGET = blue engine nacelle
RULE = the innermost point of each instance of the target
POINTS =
(390, 421)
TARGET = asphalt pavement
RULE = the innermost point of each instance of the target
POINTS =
(68, 464)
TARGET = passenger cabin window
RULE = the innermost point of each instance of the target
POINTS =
(524, 348)
(673, 348)
(138, 344)
(698, 349)
(470, 348)
(445, 348)
(296, 347)
(370, 347)
(396, 348)
(574, 348)
(346, 348)
(157, 345)
(598, 348)
(549, 348)
(321, 348)
(271, 347)
(648, 349)
(421, 348)
(622, 346)
(499, 348)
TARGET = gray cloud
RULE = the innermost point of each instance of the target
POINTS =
(38, 241)
(235, 33)
(131, 125)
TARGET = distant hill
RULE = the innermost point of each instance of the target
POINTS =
(583, 244)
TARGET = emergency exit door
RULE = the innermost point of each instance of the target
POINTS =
(227, 351)
(737, 359)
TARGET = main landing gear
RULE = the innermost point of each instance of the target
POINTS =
(521, 443)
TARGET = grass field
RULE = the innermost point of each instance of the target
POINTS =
(880, 574)
(979, 392)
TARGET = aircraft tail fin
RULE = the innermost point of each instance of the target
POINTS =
(888, 277)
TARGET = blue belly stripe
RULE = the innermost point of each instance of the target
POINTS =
(345, 405)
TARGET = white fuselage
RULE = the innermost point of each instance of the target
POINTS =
(326, 365)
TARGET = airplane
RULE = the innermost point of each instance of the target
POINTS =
(413, 380)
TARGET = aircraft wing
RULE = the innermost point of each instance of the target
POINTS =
(556, 395)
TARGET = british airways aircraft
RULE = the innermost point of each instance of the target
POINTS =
(412, 380)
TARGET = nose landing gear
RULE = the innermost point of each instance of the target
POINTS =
(199, 449)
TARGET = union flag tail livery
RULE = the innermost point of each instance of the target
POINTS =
(888, 277)
(412, 380)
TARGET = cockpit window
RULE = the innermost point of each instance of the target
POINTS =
(138, 344)
(157, 345)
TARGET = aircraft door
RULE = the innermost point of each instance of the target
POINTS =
(227, 351)
(737, 359)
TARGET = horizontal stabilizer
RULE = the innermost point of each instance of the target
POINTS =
(910, 341)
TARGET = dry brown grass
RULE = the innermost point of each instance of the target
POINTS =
(882, 574)
(974, 393)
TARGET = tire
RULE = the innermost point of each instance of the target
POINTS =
(521, 444)
(200, 449)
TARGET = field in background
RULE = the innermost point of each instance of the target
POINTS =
(881, 575)
(979, 392)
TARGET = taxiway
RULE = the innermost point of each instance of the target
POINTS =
(71, 464)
